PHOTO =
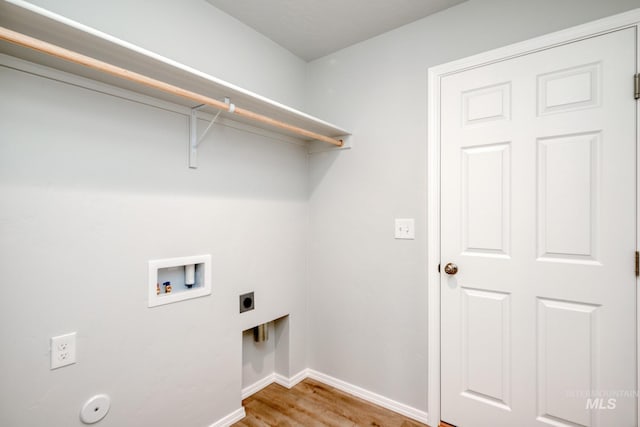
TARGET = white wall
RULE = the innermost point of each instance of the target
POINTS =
(368, 292)
(93, 186)
(258, 358)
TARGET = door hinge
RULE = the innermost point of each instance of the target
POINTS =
(637, 263)
(636, 86)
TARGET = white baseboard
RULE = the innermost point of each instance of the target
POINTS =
(370, 396)
(233, 417)
(274, 378)
(259, 385)
(360, 392)
(293, 381)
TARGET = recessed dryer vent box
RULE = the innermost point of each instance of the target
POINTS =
(179, 279)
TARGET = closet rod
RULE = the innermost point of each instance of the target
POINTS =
(75, 57)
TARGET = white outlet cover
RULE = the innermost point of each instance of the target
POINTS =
(405, 228)
(63, 350)
(95, 409)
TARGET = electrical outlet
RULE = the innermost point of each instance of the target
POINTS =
(63, 350)
(247, 302)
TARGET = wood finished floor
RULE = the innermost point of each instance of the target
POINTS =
(311, 403)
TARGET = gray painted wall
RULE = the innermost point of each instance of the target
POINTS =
(258, 358)
(93, 186)
(368, 316)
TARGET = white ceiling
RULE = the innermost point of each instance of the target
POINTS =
(314, 28)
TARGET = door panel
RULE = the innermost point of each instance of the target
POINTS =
(568, 189)
(538, 212)
(566, 355)
(569, 89)
(485, 346)
(485, 199)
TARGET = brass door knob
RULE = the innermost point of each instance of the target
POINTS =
(451, 268)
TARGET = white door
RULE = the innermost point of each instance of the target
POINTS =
(538, 213)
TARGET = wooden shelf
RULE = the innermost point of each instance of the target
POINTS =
(41, 24)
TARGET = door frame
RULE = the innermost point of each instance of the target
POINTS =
(630, 19)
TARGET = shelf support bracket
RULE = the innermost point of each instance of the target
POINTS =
(194, 140)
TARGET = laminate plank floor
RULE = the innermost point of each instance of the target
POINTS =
(311, 404)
